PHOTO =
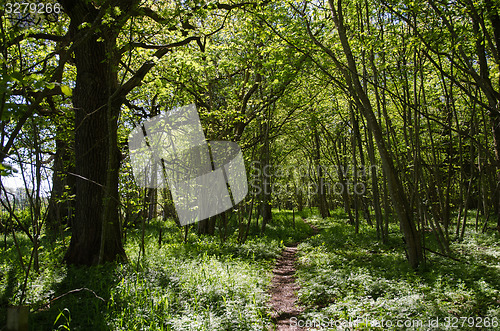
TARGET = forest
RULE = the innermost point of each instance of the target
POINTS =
(249, 165)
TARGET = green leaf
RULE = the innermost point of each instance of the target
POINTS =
(13, 110)
(6, 170)
(66, 90)
(84, 25)
(17, 76)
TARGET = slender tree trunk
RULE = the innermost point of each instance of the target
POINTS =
(412, 237)
(376, 194)
(61, 209)
(321, 194)
(266, 178)
(371, 150)
(495, 119)
(342, 172)
(355, 196)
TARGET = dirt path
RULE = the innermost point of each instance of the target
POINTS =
(284, 290)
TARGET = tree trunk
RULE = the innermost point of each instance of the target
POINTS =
(376, 194)
(60, 210)
(321, 194)
(342, 172)
(96, 151)
(266, 178)
(396, 190)
(202, 226)
(355, 196)
(151, 203)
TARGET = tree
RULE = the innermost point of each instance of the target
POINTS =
(97, 99)
(107, 42)
(473, 39)
(348, 69)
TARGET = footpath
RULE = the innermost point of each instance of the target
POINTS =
(284, 289)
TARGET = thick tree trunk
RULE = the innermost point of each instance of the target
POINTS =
(207, 226)
(96, 151)
(202, 226)
(150, 208)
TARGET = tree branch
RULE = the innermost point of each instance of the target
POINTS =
(44, 36)
(139, 75)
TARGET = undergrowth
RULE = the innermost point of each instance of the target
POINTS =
(206, 284)
(200, 284)
(353, 278)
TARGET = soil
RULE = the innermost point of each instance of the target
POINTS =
(284, 290)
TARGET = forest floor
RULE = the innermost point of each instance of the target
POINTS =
(284, 289)
(202, 283)
(323, 279)
(352, 281)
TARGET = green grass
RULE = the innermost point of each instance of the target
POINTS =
(204, 284)
(348, 276)
(201, 284)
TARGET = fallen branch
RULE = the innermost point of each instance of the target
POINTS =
(444, 255)
(70, 292)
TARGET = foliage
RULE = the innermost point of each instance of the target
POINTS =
(201, 283)
(399, 98)
(348, 276)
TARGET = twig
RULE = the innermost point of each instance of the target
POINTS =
(70, 292)
(444, 255)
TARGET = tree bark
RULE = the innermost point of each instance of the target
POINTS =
(412, 237)
(266, 178)
(96, 229)
(61, 208)
(342, 172)
(321, 194)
